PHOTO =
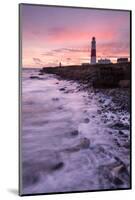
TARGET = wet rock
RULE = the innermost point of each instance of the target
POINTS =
(85, 111)
(105, 121)
(72, 149)
(55, 99)
(112, 117)
(117, 181)
(123, 118)
(99, 112)
(120, 174)
(69, 91)
(35, 77)
(62, 89)
(115, 174)
(101, 101)
(30, 179)
(121, 133)
(86, 120)
(58, 166)
(84, 143)
(60, 107)
(120, 126)
(117, 170)
(74, 133)
(127, 145)
(110, 132)
(117, 143)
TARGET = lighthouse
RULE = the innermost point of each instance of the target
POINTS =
(93, 50)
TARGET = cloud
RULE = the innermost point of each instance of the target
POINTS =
(68, 59)
(57, 31)
(67, 50)
(113, 48)
(37, 61)
(49, 53)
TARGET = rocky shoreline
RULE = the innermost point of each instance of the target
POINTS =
(98, 76)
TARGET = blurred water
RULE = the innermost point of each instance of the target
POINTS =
(65, 144)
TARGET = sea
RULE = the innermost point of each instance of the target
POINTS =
(65, 145)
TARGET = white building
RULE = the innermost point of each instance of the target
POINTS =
(122, 60)
(104, 61)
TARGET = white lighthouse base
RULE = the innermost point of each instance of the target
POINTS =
(93, 60)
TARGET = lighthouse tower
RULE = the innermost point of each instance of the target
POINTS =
(93, 51)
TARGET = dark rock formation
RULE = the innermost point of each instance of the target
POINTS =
(86, 120)
(55, 99)
(74, 133)
(120, 126)
(62, 89)
(36, 77)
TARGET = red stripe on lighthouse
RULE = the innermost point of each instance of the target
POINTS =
(93, 52)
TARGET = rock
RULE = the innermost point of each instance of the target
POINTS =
(40, 74)
(110, 132)
(112, 117)
(35, 77)
(72, 149)
(60, 107)
(30, 179)
(62, 89)
(55, 99)
(127, 145)
(105, 121)
(121, 133)
(58, 166)
(85, 111)
(99, 112)
(74, 133)
(120, 126)
(117, 170)
(117, 143)
(86, 120)
(84, 143)
(117, 181)
(101, 101)
(69, 91)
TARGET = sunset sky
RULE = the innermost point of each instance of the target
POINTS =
(55, 34)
